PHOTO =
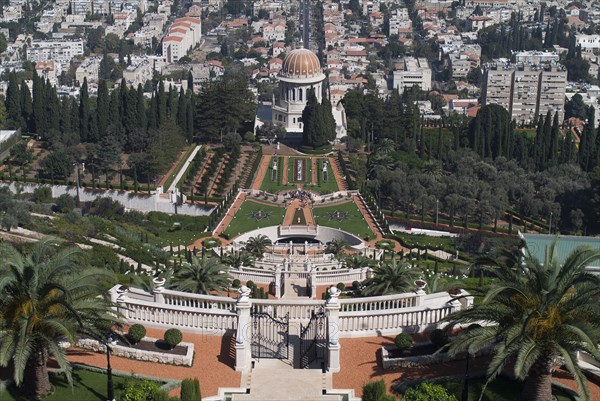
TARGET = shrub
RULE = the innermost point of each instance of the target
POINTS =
(250, 284)
(356, 285)
(403, 341)
(139, 391)
(236, 283)
(42, 195)
(173, 337)
(438, 337)
(341, 286)
(161, 395)
(375, 391)
(428, 392)
(136, 333)
(190, 390)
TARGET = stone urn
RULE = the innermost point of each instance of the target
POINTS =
(420, 285)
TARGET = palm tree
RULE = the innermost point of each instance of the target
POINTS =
(202, 276)
(390, 278)
(257, 245)
(337, 246)
(236, 259)
(49, 295)
(539, 315)
(356, 261)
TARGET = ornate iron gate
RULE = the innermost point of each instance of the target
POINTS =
(313, 340)
(270, 336)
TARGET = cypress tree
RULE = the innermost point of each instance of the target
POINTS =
(39, 109)
(553, 145)
(84, 111)
(13, 99)
(190, 81)
(153, 113)
(161, 98)
(182, 109)
(189, 126)
(114, 108)
(102, 108)
(74, 117)
(65, 116)
(141, 108)
(52, 107)
(26, 106)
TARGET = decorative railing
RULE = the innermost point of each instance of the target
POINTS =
(298, 230)
(369, 316)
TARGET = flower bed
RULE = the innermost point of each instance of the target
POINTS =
(148, 349)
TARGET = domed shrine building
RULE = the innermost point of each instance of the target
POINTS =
(301, 71)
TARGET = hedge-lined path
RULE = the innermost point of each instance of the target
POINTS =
(262, 170)
(241, 197)
(359, 365)
(214, 360)
(370, 221)
(338, 174)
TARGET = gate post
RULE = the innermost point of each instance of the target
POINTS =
(278, 283)
(332, 308)
(313, 283)
(243, 353)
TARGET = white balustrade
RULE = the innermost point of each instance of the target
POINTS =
(358, 317)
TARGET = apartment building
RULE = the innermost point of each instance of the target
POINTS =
(412, 71)
(60, 51)
(525, 90)
(184, 35)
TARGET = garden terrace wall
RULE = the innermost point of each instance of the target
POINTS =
(361, 317)
(130, 200)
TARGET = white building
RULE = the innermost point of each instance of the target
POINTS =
(60, 51)
(300, 72)
(587, 42)
(184, 35)
(412, 71)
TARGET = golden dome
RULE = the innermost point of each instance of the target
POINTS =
(301, 63)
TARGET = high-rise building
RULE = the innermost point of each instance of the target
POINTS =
(525, 90)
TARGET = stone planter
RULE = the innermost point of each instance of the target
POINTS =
(143, 355)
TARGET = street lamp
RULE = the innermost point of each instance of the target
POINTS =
(550, 225)
(437, 209)
(107, 341)
(465, 390)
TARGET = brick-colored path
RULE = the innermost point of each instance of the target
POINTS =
(284, 179)
(230, 213)
(367, 216)
(359, 366)
(338, 174)
(260, 175)
(214, 360)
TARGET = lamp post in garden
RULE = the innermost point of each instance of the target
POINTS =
(465, 390)
(107, 341)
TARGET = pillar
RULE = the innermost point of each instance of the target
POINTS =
(332, 308)
(313, 283)
(278, 283)
(243, 338)
(121, 300)
(159, 287)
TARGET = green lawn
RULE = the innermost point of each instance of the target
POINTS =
(307, 175)
(501, 389)
(331, 185)
(275, 186)
(243, 220)
(355, 223)
(87, 386)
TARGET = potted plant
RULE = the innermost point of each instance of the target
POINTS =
(454, 291)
